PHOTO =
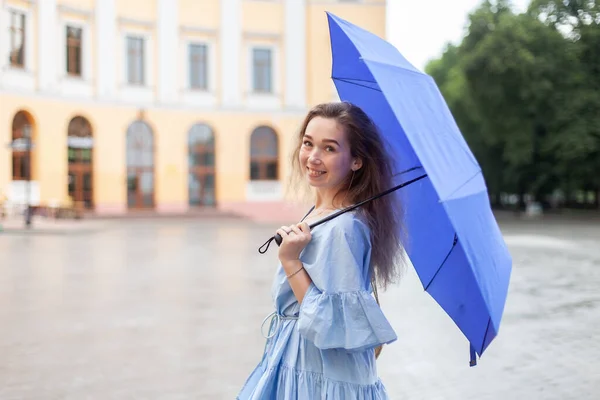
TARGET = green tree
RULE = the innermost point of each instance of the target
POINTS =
(525, 91)
(578, 121)
(516, 76)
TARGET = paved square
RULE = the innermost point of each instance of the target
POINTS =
(171, 309)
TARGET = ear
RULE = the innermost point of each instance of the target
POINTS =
(356, 164)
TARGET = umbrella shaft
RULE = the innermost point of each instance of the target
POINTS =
(278, 239)
(400, 186)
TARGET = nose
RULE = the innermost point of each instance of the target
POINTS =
(313, 158)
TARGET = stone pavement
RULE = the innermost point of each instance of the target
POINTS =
(171, 309)
(44, 226)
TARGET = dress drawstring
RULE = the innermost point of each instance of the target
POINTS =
(275, 323)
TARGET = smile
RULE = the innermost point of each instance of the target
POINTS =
(314, 173)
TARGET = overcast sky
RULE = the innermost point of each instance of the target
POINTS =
(421, 28)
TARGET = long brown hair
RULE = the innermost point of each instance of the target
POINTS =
(384, 215)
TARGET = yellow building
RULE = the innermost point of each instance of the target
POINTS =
(162, 104)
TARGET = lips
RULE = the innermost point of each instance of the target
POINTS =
(314, 173)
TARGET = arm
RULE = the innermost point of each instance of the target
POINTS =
(295, 238)
(338, 310)
(297, 277)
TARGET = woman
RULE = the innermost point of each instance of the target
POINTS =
(327, 325)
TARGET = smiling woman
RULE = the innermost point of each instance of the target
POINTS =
(325, 155)
(327, 327)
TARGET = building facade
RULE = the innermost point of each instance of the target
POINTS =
(166, 105)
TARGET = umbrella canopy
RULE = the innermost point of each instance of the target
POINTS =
(453, 240)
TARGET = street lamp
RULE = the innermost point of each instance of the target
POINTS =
(26, 131)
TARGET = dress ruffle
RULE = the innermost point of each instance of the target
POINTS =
(288, 383)
(350, 320)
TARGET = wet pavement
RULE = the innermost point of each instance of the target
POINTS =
(171, 309)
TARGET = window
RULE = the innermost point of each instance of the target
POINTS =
(262, 70)
(74, 51)
(135, 60)
(17, 39)
(21, 158)
(201, 156)
(79, 151)
(140, 165)
(198, 54)
(263, 154)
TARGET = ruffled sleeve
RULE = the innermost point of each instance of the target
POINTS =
(338, 310)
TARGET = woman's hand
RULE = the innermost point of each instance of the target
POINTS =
(295, 238)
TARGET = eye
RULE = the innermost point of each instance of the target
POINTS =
(306, 143)
(330, 148)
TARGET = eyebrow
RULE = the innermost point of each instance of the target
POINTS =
(324, 140)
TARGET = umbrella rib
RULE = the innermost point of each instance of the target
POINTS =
(461, 186)
(385, 64)
(408, 170)
(443, 262)
(354, 79)
(352, 82)
(486, 332)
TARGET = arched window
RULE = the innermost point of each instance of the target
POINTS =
(80, 145)
(140, 165)
(22, 131)
(263, 154)
(201, 161)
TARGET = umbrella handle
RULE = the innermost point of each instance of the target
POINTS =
(278, 239)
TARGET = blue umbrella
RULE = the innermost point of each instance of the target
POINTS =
(454, 242)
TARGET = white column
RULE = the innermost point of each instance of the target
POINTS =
(231, 42)
(4, 38)
(46, 46)
(295, 53)
(106, 49)
(168, 23)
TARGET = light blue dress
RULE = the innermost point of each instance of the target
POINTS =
(324, 348)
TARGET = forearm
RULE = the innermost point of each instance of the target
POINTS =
(300, 281)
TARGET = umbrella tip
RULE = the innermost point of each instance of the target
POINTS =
(473, 361)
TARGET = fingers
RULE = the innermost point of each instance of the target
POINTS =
(282, 232)
(304, 227)
(295, 233)
(300, 235)
(296, 230)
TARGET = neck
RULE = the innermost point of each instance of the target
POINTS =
(327, 199)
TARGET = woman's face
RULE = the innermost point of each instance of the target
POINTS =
(325, 154)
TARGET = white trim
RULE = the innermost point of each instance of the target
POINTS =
(10, 77)
(264, 190)
(131, 92)
(295, 60)
(190, 29)
(120, 102)
(257, 35)
(138, 22)
(197, 97)
(82, 12)
(105, 43)
(47, 19)
(231, 52)
(73, 85)
(167, 37)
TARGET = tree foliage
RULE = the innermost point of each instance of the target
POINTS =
(525, 91)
